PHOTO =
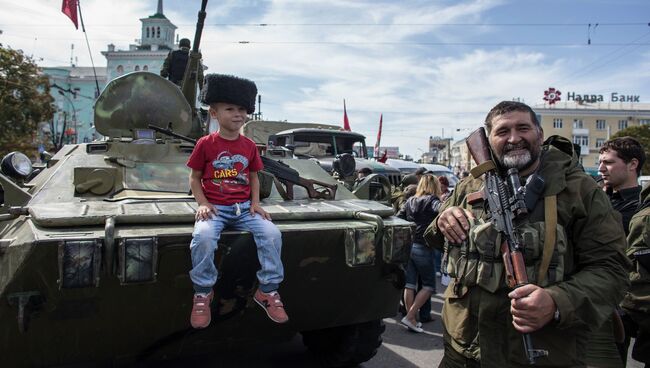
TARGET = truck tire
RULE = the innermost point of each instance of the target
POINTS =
(345, 346)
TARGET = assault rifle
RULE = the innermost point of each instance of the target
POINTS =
(505, 204)
(290, 177)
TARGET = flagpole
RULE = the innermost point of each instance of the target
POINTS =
(378, 142)
(83, 28)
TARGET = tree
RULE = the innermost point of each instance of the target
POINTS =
(642, 134)
(25, 101)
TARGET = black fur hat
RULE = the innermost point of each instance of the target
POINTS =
(229, 89)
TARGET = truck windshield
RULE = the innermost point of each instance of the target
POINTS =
(313, 146)
(327, 146)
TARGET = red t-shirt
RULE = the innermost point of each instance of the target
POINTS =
(226, 165)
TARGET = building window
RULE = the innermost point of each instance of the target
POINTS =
(600, 142)
(147, 32)
(120, 69)
(557, 123)
(581, 140)
(644, 121)
(145, 68)
(137, 68)
(157, 32)
(622, 124)
(577, 123)
(601, 124)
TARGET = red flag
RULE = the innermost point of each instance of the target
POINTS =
(376, 151)
(346, 122)
(384, 157)
(69, 8)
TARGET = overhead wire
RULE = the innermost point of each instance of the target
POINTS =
(114, 25)
(605, 60)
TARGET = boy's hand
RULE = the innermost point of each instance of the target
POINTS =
(205, 211)
(257, 208)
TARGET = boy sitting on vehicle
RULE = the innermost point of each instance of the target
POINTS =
(225, 184)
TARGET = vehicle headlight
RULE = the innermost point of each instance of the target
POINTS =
(397, 244)
(79, 263)
(138, 258)
(359, 247)
(16, 165)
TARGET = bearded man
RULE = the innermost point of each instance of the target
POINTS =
(566, 299)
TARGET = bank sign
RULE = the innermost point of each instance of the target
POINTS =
(553, 95)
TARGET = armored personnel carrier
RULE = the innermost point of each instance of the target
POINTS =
(94, 248)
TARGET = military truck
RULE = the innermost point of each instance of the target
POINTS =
(328, 145)
(94, 249)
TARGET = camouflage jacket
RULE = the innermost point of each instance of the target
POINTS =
(592, 280)
(638, 297)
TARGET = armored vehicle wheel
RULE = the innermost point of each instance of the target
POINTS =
(345, 346)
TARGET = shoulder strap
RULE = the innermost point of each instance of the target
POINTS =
(550, 220)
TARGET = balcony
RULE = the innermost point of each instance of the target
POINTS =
(580, 131)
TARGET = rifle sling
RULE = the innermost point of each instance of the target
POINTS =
(550, 220)
(481, 169)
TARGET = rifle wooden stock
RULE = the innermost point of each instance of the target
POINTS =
(514, 266)
(290, 177)
(478, 146)
(328, 193)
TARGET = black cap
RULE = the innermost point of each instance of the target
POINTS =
(184, 42)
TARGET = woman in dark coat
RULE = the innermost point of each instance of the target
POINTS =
(421, 209)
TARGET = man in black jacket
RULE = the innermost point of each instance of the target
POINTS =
(621, 160)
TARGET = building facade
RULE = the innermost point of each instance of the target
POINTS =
(460, 159)
(74, 91)
(590, 124)
(156, 41)
(439, 151)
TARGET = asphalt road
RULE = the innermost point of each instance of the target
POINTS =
(401, 349)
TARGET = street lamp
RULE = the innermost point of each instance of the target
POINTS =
(74, 116)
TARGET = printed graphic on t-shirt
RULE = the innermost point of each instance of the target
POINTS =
(229, 171)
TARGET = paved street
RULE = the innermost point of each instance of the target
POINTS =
(405, 349)
(401, 349)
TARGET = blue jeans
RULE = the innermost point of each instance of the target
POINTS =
(421, 263)
(437, 260)
(205, 240)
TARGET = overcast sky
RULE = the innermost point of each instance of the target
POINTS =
(431, 67)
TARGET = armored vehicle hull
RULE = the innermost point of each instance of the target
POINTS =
(94, 254)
